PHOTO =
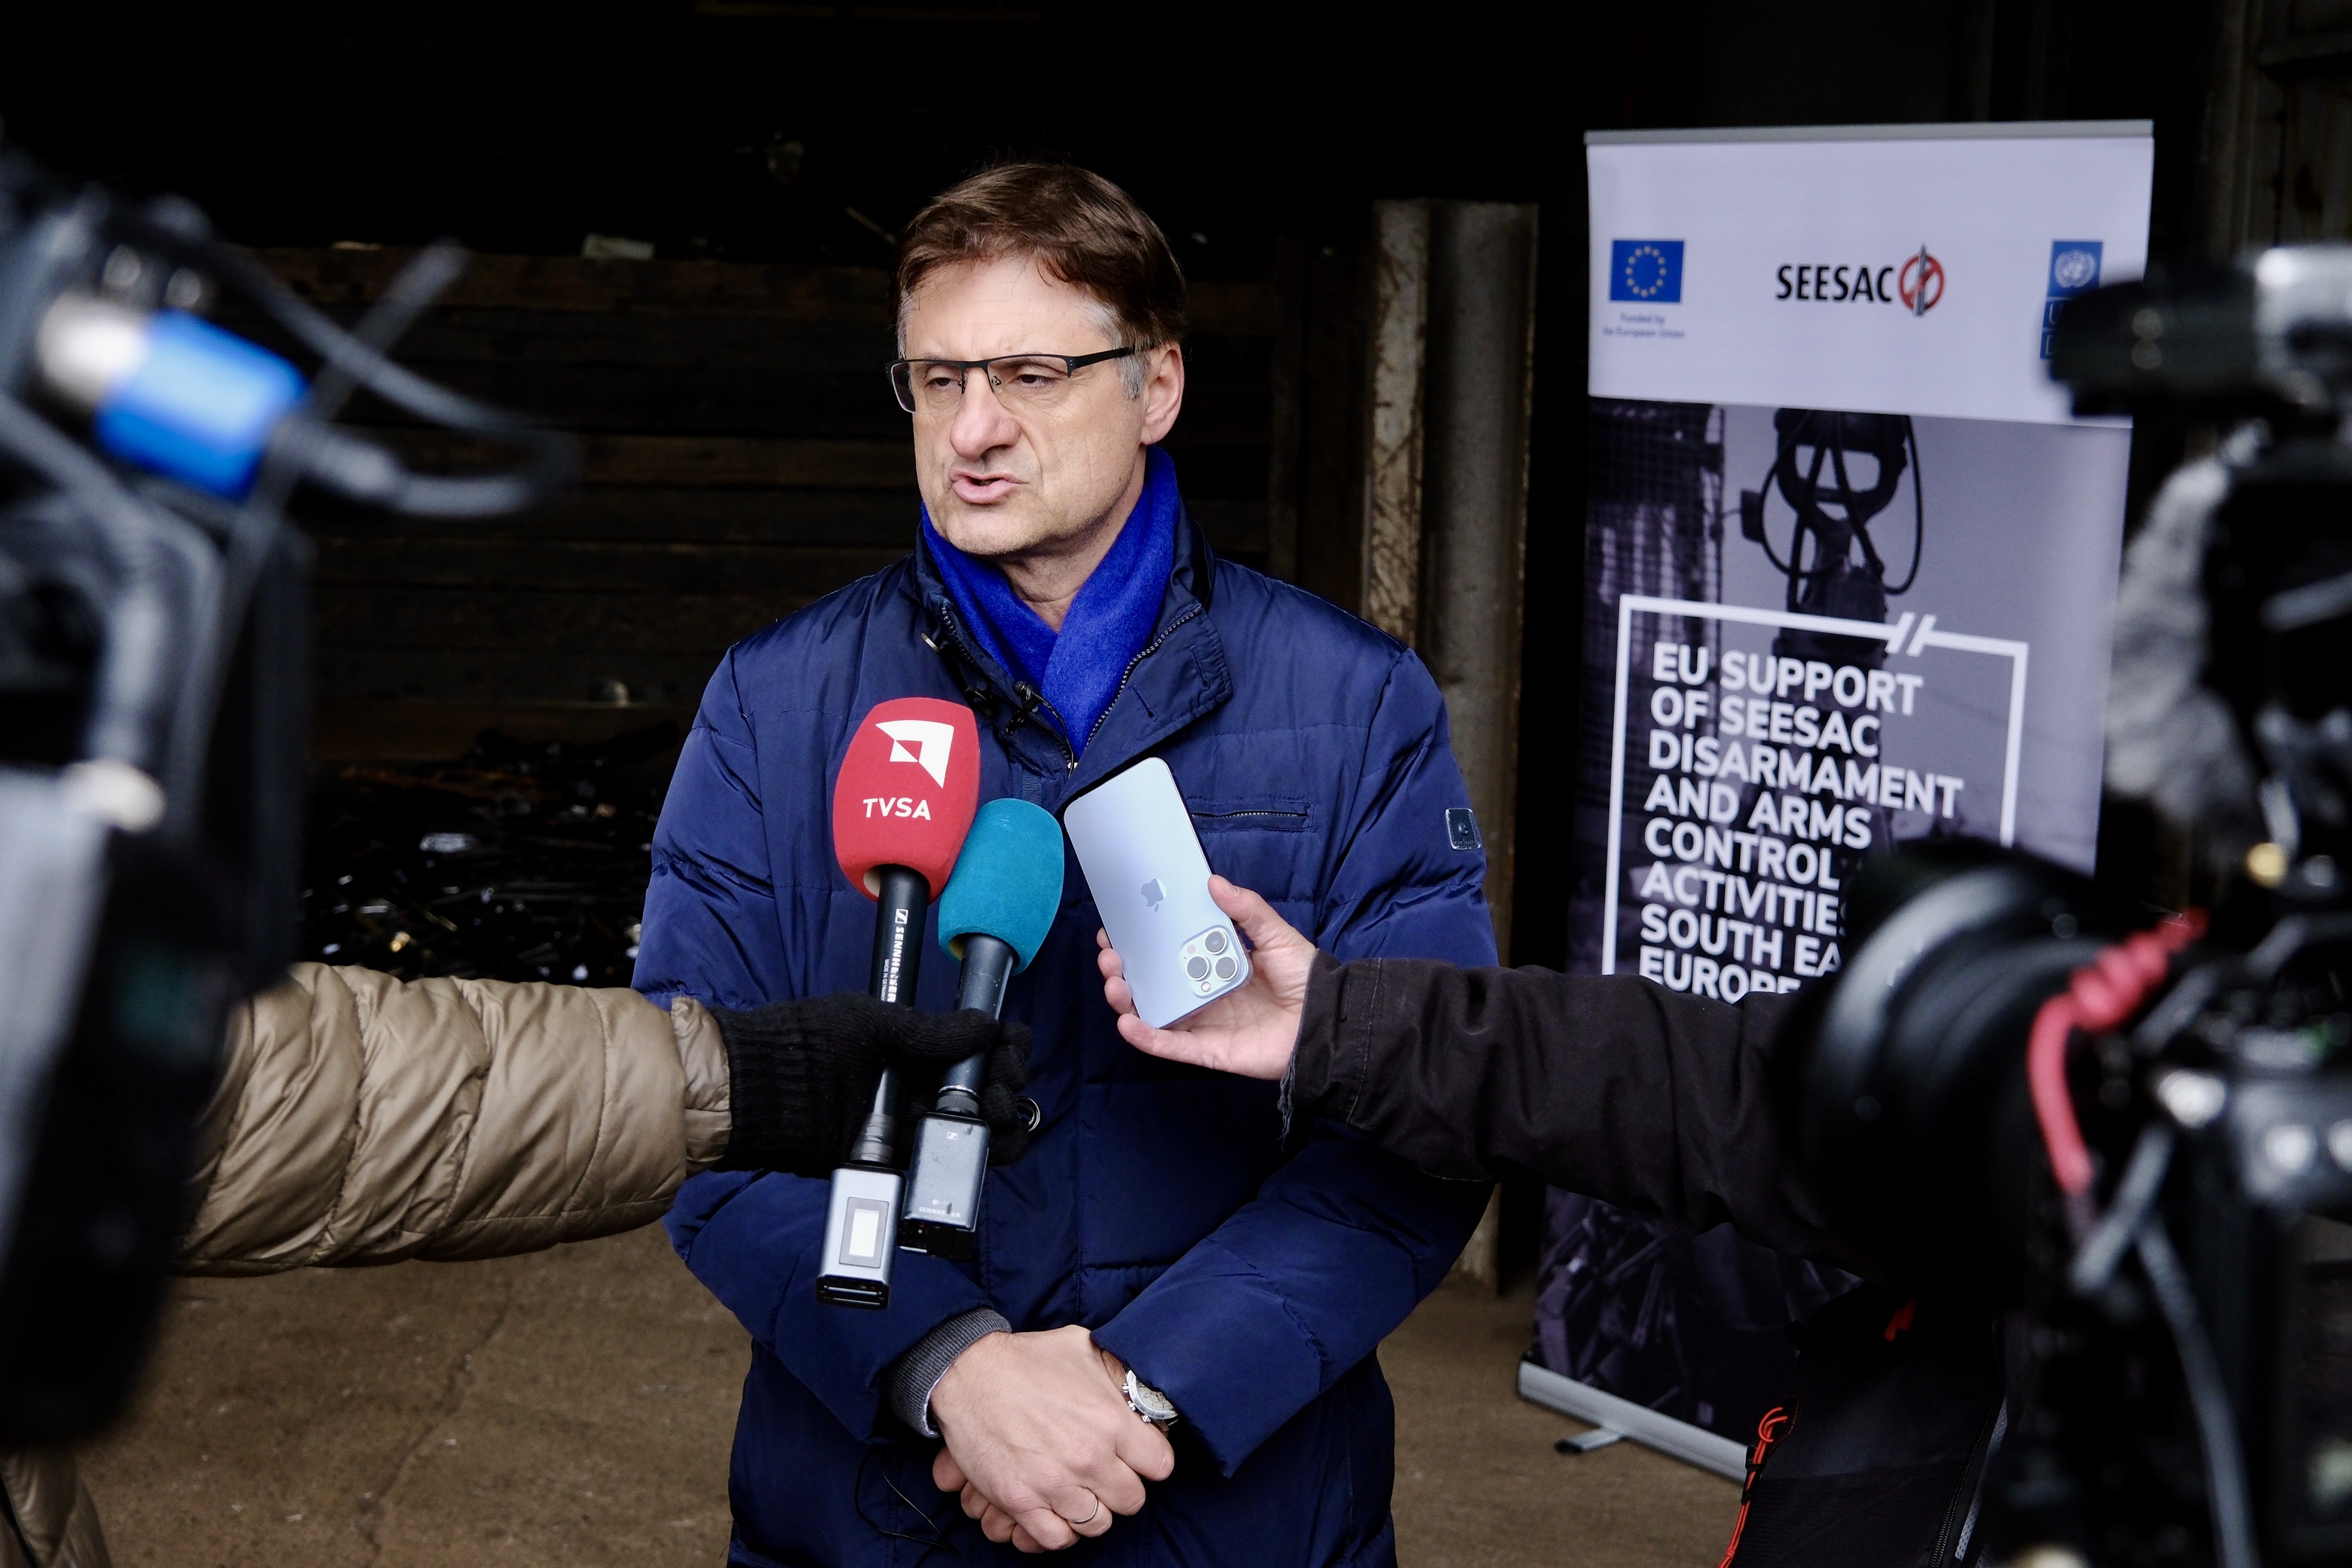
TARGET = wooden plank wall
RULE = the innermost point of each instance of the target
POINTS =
(743, 458)
(1323, 414)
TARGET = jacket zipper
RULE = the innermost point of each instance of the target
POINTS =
(1228, 815)
(1060, 723)
(1150, 648)
(1061, 727)
(955, 631)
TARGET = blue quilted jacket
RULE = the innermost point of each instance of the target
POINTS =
(1158, 1204)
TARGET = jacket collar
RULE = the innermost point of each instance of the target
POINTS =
(1180, 674)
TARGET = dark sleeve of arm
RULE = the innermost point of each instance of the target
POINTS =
(1606, 1086)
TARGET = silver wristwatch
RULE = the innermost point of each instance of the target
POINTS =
(1149, 1401)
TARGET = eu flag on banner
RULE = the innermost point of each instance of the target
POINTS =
(1646, 271)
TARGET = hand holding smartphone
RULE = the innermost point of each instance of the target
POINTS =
(1143, 864)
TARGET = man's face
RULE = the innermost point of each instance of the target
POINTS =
(1006, 479)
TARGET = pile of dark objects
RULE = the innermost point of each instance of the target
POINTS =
(521, 860)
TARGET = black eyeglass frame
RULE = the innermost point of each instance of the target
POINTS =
(1071, 365)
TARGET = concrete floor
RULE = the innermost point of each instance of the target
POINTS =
(1478, 1485)
(573, 1407)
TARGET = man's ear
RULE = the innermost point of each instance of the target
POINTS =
(1163, 391)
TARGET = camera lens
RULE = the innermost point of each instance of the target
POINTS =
(1224, 969)
(1215, 942)
(1911, 1101)
(1198, 968)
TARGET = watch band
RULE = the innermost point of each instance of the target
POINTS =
(1148, 1401)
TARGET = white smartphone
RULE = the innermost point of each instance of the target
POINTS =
(1143, 864)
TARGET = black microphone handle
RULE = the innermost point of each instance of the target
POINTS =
(897, 934)
(988, 965)
(898, 963)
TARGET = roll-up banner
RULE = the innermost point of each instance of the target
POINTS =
(1849, 562)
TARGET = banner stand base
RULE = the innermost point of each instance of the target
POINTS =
(1692, 1445)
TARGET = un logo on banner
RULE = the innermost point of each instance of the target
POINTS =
(2074, 266)
(1646, 271)
(2074, 270)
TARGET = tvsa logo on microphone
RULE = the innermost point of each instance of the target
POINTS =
(933, 744)
(931, 739)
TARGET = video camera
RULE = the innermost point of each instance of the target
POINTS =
(153, 717)
(2134, 1138)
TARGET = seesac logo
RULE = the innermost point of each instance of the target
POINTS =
(1916, 283)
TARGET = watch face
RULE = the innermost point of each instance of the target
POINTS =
(1149, 1401)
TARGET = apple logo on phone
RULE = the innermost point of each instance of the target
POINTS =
(1154, 894)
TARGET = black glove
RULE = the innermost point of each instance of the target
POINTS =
(802, 1076)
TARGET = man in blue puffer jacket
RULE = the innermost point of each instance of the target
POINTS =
(1161, 1222)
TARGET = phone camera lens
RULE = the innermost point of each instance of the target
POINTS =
(1224, 969)
(1198, 968)
(1216, 942)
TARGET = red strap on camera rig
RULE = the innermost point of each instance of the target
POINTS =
(1768, 1431)
(2103, 993)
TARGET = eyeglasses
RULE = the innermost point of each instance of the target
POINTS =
(1021, 382)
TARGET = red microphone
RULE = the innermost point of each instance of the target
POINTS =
(903, 801)
(909, 785)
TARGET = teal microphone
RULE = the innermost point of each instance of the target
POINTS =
(994, 915)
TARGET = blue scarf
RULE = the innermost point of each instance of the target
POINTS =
(1107, 624)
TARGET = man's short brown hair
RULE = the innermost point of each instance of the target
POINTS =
(1082, 230)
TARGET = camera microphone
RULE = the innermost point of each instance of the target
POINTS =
(169, 392)
(999, 905)
(901, 806)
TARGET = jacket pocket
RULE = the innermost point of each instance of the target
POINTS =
(1260, 813)
(1271, 844)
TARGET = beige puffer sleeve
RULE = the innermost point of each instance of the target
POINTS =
(362, 1119)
